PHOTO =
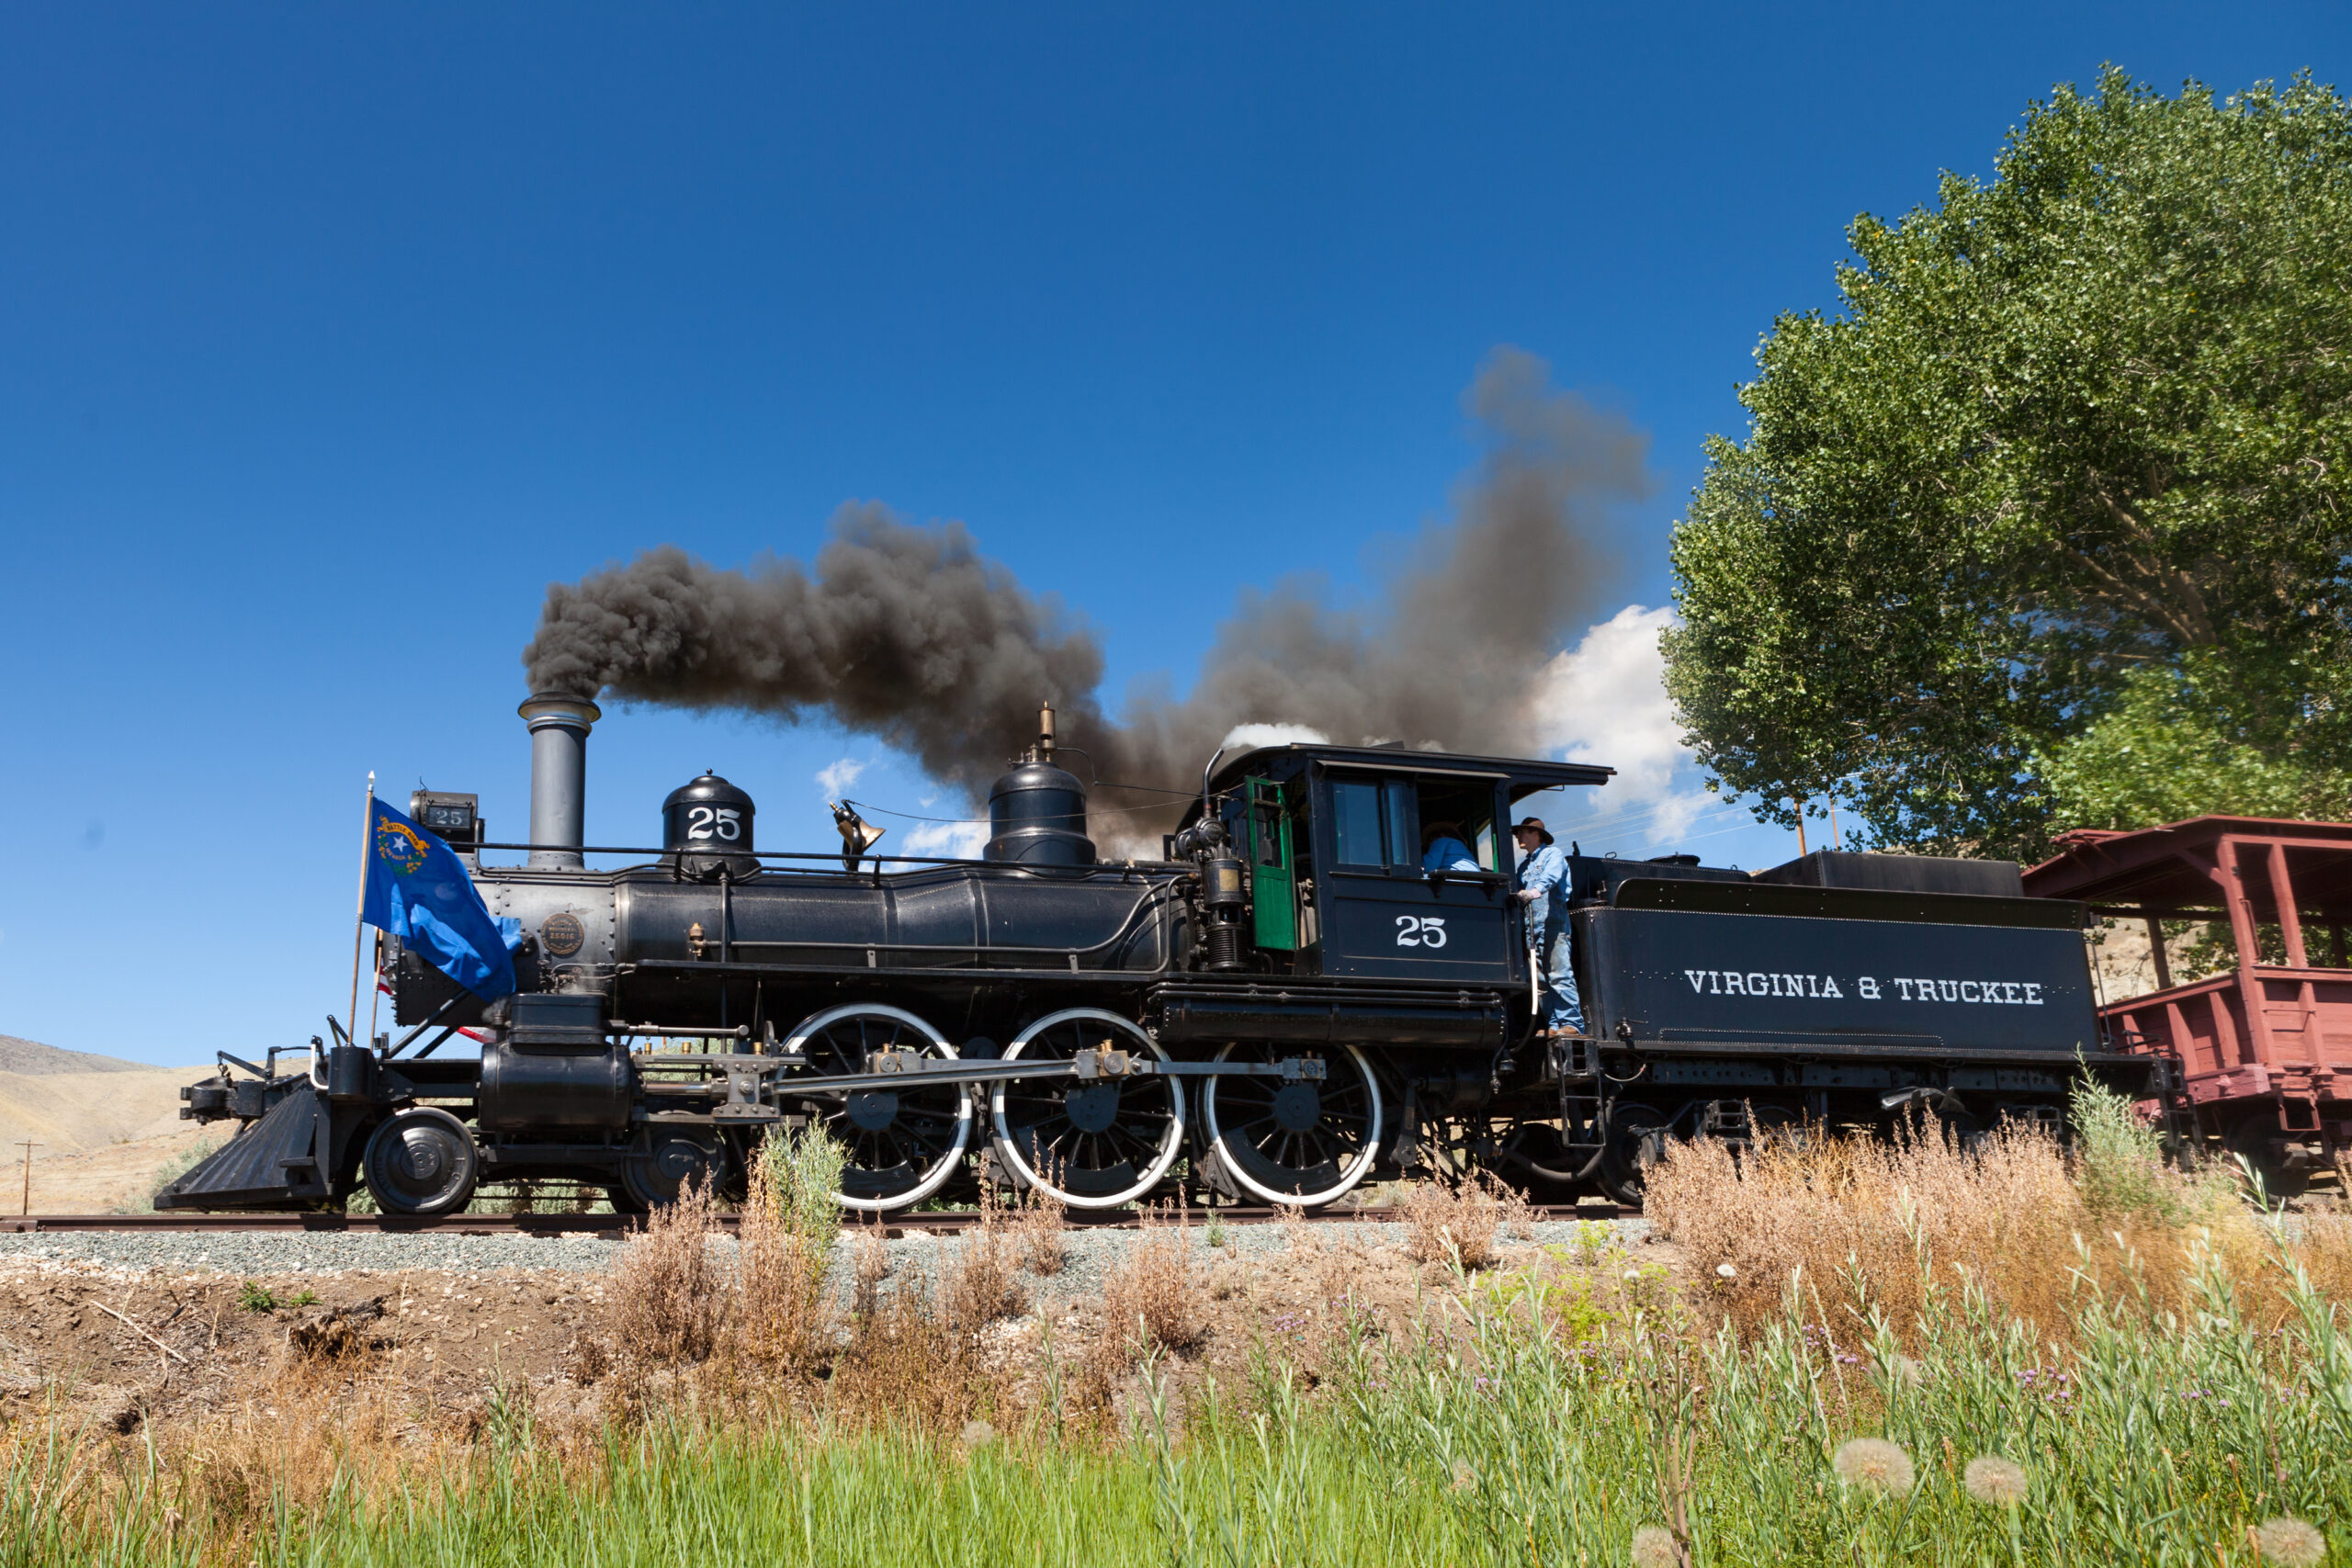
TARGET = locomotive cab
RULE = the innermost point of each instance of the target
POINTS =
(1333, 840)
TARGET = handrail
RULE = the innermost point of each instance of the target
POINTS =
(719, 851)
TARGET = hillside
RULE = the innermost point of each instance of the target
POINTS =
(32, 1058)
(101, 1128)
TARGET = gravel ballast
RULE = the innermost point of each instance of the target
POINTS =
(1089, 1250)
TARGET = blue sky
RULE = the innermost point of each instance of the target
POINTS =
(330, 335)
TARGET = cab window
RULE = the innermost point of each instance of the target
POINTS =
(1465, 809)
(1372, 823)
(1355, 819)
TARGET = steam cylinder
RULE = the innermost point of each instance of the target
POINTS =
(1037, 817)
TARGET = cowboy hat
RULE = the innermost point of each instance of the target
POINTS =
(1533, 825)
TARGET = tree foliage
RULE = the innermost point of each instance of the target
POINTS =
(2069, 463)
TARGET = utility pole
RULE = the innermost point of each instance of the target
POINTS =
(27, 1146)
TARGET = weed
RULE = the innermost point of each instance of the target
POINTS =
(981, 1285)
(2119, 1164)
(666, 1291)
(254, 1296)
(171, 1171)
(787, 1226)
(1151, 1300)
(1462, 1226)
(871, 1266)
(1040, 1229)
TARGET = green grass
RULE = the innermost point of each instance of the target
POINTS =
(1482, 1441)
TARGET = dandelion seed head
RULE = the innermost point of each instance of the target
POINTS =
(1654, 1548)
(1994, 1479)
(1875, 1465)
(2288, 1541)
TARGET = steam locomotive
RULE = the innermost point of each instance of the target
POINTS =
(1281, 1007)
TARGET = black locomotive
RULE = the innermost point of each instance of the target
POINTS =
(1280, 1007)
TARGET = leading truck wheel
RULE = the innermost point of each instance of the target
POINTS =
(421, 1161)
(1301, 1143)
(898, 1146)
(1092, 1143)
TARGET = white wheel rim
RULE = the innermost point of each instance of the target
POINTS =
(936, 1177)
(1009, 1148)
(1346, 1184)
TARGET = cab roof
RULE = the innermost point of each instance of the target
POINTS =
(1526, 775)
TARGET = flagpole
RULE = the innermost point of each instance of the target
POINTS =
(359, 920)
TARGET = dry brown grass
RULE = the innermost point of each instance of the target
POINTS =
(869, 1266)
(903, 1362)
(1860, 1224)
(1463, 1226)
(981, 1285)
(1043, 1217)
(667, 1297)
(1152, 1298)
(2324, 1249)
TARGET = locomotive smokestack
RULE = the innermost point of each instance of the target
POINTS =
(558, 777)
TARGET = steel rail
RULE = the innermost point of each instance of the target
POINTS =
(619, 1226)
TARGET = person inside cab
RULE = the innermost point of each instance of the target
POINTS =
(1443, 849)
(1544, 888)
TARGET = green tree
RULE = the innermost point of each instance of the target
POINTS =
(2198, 734)
(2071, 459)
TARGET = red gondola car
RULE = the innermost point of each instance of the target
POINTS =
(2264, 1048)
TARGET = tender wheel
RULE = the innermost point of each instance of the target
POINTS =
(421, 1161)
(1093, 1143)
(1303, 1143)
(1540, 1160)
(1635, 1136)
(1778, 1126)
(898, 1146)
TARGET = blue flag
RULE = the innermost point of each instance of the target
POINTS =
(418, 890)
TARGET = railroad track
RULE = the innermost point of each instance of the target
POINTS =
(618, 1227)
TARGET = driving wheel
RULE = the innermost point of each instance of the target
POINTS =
(1094, 1143)
(1300, 1142)
(899, 1145)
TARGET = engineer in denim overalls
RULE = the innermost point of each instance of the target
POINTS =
(1544, 888)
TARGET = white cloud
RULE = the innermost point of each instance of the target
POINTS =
(1244, 736)
(950, 840)
(836, 778)
(1604, 701)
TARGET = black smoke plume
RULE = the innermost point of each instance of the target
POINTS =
(907, 634)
